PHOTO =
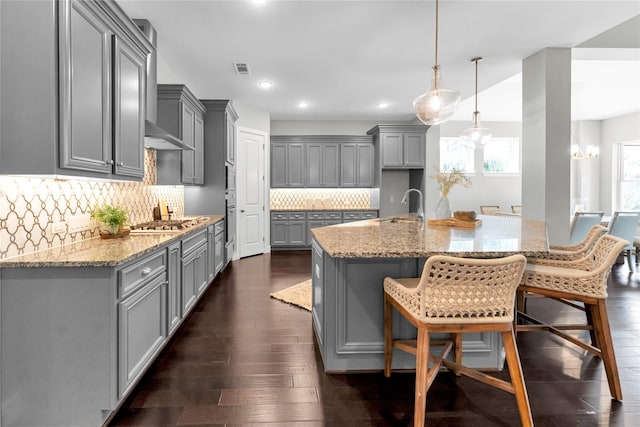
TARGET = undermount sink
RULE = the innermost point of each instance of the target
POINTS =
(397, 219)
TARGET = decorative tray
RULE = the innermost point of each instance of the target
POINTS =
(453, 222)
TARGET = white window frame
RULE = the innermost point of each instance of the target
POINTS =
(503, 174)
(620, 174)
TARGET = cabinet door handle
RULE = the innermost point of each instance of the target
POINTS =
(146, 271)
(120, 163)
(108, 162)
(242, 210)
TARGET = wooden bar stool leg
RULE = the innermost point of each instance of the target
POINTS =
(388, 338)
(422, 375)
(457, 342)
(588, 310)
(517, 379)
(603, 333)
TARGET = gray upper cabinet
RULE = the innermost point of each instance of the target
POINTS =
(181, 114)
(85, 97)
(129, 108)
(288, 165)
(322, 165)
(357, 165)
(64, 109)
(401, 146)
(316, 161)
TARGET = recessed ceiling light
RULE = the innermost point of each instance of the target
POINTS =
(303, 104)
(383, 105)
(265, 84)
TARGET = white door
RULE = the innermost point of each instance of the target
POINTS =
(251, 191)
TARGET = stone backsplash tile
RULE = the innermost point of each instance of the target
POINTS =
(320, 198)
(30, 205)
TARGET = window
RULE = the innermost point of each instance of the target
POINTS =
(629, 177)
(502, 156)
(499, 156)
(455, 155)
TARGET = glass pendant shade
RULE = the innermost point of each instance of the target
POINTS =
(476, 136)
(436, 105)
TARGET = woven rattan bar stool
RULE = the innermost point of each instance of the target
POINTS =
(573, 282)
(456, 295)
(573, 252)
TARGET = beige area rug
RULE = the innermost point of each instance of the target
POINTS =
(299, 295)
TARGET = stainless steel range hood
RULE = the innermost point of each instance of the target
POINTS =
(154, 136)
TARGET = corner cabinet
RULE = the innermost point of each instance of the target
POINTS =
(400, 146)
(87, 92)
(181, 114)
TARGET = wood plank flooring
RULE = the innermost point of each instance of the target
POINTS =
(243, 359)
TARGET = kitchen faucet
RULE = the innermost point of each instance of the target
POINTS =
(405, 198)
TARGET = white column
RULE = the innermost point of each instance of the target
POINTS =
(546, 140)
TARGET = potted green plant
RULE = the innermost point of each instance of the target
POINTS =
(113, 218)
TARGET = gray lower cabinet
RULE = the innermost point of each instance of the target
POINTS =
(288, 229)
(293, 229)
(174, 284)
(142, 329)
(94, 330)
(219, 257)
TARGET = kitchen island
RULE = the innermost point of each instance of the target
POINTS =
(351, 260)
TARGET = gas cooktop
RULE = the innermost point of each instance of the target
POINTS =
(167, 225)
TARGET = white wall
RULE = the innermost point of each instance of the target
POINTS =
(324, 127)
(585, 173)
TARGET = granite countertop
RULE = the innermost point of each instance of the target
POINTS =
(99, 252)
(406, 237)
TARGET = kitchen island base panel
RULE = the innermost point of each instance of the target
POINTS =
(348, 316)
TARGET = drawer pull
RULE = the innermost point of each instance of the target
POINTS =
(145, 271)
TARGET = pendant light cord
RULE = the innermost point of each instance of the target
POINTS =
(436, 66)
(476, 61)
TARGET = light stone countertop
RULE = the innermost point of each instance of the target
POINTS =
(99, 252)
(406, 238)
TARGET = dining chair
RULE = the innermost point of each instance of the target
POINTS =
(506, 214)
(581, 284)
(489, 209)
(516, 209)
(456, 295)
(624, 225)
(581, 223)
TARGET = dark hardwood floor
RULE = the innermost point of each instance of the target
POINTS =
(244, 359)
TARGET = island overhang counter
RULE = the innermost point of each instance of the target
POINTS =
(350, 262)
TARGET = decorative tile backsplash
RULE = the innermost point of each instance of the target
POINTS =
(320, 198)
(29, 207)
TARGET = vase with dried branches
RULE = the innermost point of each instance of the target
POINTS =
(446, 181)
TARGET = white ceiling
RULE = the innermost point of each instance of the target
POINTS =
(344, 57)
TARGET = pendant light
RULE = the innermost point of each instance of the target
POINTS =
(436, 105)
(476, 136)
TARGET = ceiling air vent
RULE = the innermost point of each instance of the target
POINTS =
(242, 68)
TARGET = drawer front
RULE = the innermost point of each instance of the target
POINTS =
(191, 242)
(333, 215)
(218, 227)
(279, 215)
(315, 215)
(297, 215)
(351, 215)
(135, 275)
(369, 214)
